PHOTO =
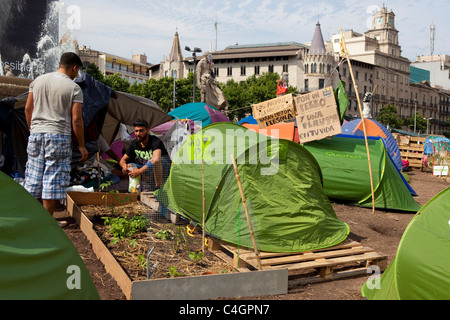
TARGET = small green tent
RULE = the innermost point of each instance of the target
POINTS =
(420, 270)
(37, 259)
(346, 176)
(281, 182)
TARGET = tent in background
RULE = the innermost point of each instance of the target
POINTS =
(104, 111)
(249, 120)
(420, 270)
(199, 112)
(37, 258)
(286, 130)
(346, 177)
(375, 129)
(281, 182)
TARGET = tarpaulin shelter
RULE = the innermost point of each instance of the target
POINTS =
(281, 182)
(286, 130)
(346, 176)
(103, 112)
(37, 259)
(199, 112)
(375, 129)
(419, 270)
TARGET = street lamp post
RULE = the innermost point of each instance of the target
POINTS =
(415, 115)
(427, 123)
(194, 55)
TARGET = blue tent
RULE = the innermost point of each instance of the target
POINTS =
(376, 129)
(249, 120)
(199, 112)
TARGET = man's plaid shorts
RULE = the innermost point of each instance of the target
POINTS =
(47, 173)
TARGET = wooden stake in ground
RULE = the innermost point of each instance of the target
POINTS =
(99, 176)
(255, 247)
(345, 53)
(203, 204)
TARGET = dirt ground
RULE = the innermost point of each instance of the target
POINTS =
(381, 231)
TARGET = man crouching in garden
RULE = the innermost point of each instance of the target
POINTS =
(146, 155)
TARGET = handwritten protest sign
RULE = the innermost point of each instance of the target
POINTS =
(274, 111)
(317, 115)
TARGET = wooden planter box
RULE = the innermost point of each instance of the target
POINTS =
(241, 284)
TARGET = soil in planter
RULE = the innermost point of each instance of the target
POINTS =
(173, 252)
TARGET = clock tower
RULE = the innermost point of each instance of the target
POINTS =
(383, 30)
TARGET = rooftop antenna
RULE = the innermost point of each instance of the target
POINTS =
(432, 38)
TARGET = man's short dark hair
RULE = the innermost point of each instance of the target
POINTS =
(70, 59)
(141, 123)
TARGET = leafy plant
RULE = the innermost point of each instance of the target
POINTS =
(173, 272)
(121, 227)
(178, 236)
(142, 260)
(164, 235)
(196, 256)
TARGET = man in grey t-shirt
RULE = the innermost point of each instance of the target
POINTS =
(53, 107)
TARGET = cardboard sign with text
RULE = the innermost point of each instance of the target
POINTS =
(317, 115)
(274, 111)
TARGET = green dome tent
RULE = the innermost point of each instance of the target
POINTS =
(281, 182)
(346, 176)
(37, 259)
(420, 270)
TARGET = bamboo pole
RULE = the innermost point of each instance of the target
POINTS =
(344, 51)
(255, 247)
(203, 205)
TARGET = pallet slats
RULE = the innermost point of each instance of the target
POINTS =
(327, 261)
(411, 149)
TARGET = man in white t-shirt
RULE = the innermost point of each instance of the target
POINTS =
(53, 107)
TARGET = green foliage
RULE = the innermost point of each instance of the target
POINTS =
(164, 235)
(173, 272)
(255, 89)
(94, 71)
(240, 96)
(388, 116)
(421, 123)
(121, 227)
(116, 82)
(196, 256)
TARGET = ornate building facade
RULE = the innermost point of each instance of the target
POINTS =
(377, 66)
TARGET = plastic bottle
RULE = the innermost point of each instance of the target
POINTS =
(134, 184)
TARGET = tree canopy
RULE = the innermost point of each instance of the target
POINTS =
(240, 95)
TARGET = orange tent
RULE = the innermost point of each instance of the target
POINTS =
(287, 131)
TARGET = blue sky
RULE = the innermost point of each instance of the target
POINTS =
(130, 27)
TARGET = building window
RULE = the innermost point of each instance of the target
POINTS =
(285, 68)
(229, 71)
(271, 68)
(306, 85)
(242, 70)
(257, 70)
(321, 83)
(216, 71)
(306, 68)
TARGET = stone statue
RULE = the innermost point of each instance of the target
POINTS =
(367, 112)
(206, 82)
(8, 71)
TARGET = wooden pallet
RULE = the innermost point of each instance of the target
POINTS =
(347, 259)
(411, 149)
